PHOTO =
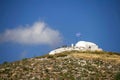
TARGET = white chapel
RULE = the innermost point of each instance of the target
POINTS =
(79, 46)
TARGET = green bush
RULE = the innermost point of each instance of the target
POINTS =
(5, 62)
(61, 55)
(24, 59)
(117, 76)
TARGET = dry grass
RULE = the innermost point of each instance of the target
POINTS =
(106, 57)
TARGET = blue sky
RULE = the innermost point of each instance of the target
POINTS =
(97, 21)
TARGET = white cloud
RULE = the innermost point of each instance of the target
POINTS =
(38, 33)
(78, 34)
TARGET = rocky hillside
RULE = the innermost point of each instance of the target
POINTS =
(72, 65)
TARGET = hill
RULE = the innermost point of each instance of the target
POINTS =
(72, 65)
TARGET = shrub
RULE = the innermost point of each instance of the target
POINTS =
(24, 59)
(51, 56)
(61, 55)
(5, 62)
(117, 76)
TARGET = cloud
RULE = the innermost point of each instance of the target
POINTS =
(38, 33)
(78, 34)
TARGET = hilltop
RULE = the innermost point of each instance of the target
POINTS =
(68, 65)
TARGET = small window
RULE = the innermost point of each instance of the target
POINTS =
(89, 47)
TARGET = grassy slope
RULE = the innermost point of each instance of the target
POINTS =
(73, 65)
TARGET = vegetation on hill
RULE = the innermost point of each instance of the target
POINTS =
(73, 65)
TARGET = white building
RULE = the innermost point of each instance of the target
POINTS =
(87, 46)
(79, 46)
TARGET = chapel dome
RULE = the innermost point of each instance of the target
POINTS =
(86, 45)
